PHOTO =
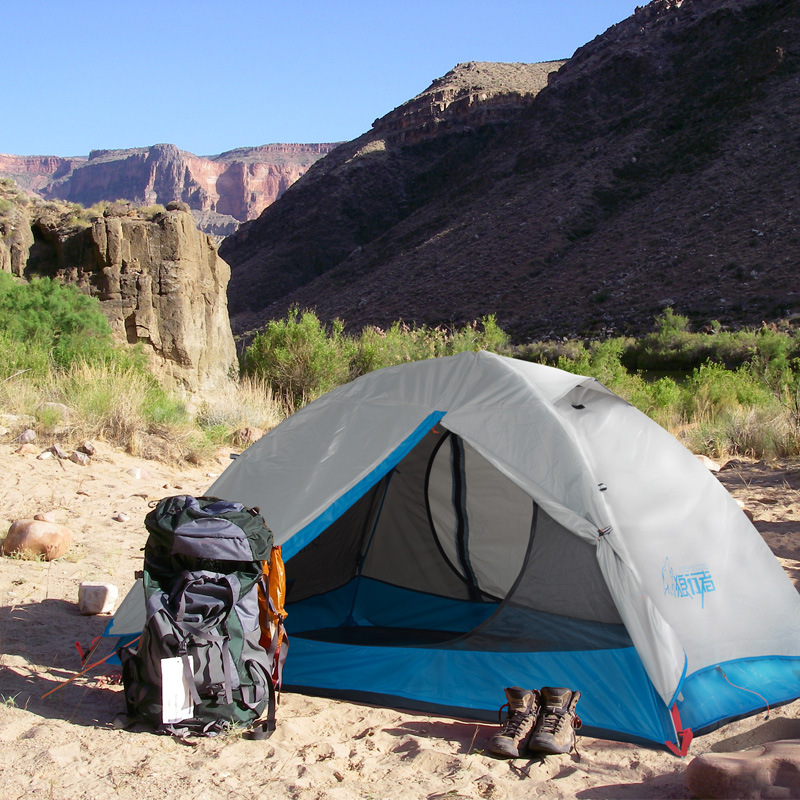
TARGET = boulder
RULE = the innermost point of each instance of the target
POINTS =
(97, 598)
(79, 458)
(770, 770)
(34, 538)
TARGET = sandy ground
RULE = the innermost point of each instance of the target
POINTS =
(66, 745)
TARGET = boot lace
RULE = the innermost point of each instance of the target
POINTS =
(516, 722)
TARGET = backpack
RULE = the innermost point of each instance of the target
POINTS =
(212, 647)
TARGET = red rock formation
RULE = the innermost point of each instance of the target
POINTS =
(238, 184)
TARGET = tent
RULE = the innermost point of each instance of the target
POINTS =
(455, 526)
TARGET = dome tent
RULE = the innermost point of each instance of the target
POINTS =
(454, 526)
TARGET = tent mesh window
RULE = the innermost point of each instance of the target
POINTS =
(446, 551)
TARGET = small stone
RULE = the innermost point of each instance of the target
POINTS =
(26, 449)
(121, 516)
(57, 451)
(708, 463)
(46, 516)
(79, 458)
(97, 598)
(44, 456)
(4, 431)
(747, 512)
(246, 436)
(27, 436)
(88, 448)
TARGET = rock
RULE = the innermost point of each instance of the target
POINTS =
(26, 449)
(771, 770)
(79, 458)
(747, 512)
(46, 516)
(4, 431)
(27, 436)
(37, 538)
(88, 448)
(178, 205)
(244, 437)
(97, 598)
(45, 455)
(708, 463)
(121, 516)
(56, 450)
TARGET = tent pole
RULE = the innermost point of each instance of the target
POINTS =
(350, 620)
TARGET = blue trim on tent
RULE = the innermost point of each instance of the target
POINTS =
(616, 694)
(710, 699)
(310, 532)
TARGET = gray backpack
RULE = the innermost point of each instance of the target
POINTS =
(199, 666)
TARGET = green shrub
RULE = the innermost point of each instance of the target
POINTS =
(44, 317)
(299, 358)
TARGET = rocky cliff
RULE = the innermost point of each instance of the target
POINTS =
(221, 190)
(349, 200)
(160, 281)
(659, 166)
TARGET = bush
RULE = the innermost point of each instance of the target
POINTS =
(299, 358)
(44, 320)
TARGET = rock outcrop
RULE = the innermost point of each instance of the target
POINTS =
(160, 281)
(223, 190)
(470, 95)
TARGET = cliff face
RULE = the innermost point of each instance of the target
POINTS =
(224, 190)
(160, 281)
(362, 190)
(659, 166)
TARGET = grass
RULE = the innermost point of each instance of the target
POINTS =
(722, 393)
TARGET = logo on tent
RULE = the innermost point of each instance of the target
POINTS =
(691, 581)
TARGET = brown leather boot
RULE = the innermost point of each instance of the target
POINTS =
(512, 738)
(557, 722)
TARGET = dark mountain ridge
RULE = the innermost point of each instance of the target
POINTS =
(660, 165)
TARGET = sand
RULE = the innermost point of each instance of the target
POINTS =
(66, 746)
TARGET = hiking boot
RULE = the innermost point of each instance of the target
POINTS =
(523, 709)
(557, 722)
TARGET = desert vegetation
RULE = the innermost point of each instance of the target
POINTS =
(723, 393)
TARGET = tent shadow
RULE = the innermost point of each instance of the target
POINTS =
(38, 655)
(470, 736)
(669, 785)
(772, 730)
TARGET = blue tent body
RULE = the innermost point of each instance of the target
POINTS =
(456, 526)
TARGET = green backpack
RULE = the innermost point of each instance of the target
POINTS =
(199, 666)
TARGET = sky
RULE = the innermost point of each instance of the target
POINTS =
(212, 76)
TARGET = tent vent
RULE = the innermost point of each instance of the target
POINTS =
(602, 487)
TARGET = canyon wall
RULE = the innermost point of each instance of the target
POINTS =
(222, 191)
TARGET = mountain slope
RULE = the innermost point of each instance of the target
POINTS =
(659, 166)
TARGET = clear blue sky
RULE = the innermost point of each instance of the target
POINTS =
(212, 76)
